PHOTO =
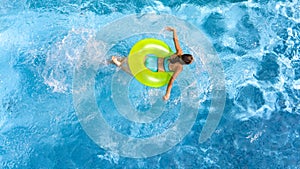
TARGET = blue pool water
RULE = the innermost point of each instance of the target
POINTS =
(49, 51)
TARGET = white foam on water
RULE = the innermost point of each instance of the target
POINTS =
(112, 157)
(296, 84)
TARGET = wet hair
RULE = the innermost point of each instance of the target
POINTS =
(187, 58)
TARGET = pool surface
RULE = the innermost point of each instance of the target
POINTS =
(64, 105)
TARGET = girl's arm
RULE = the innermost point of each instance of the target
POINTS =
(175, 39)
(170, 84)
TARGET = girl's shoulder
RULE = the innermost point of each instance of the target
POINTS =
(173, 56)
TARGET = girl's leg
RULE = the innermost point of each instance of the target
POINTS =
(122, 63)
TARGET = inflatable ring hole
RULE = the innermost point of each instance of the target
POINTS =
(151, 62)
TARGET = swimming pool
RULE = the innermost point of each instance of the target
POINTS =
(64, 106)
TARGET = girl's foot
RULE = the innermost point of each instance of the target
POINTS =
(115, 61)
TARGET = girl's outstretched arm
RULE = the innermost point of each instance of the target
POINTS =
(175, 39)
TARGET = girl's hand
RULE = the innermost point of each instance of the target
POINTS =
(166, 97)
(168, 28)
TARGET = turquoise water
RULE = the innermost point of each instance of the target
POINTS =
(49, 51)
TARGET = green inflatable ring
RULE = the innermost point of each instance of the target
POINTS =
(136, 59)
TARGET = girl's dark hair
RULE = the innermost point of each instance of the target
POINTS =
(187, 58)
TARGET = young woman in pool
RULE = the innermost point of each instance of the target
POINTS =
(175, 62)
